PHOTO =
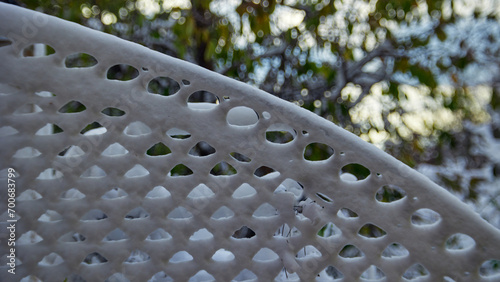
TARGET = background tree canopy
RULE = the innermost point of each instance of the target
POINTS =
(419, 79)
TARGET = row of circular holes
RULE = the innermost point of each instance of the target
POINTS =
(455, 242)
(416, 271)
(420, 217)
(313, 151)
(161, 85)
(273, 136)
(385, 194)
(116, 72)
(220, 169)
(238, 116)
(348, 251)
(201, 275)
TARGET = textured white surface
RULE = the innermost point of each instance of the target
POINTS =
(135, 219)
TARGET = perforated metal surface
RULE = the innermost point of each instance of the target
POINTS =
(238, 194)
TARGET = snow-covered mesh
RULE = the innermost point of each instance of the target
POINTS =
(134, 165)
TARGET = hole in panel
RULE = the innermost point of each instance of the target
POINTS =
(29, 108)
(202, 234)
(285, 231)
(158, 192)
(80, 60)
(266, 210)
(161, 277)
(27, 152)
(307, 252)
(180, 170)
(415, 271)
(223, 213)
(425, 217)
(371, 231)
(164, 86)
(223, 169)
(8, 130)
(490, 268)
(94, 172)
(240, 157)
(94, 128)
(202, 275)
(389, 193)
(30, 237)
(72, 194)
(117, 277)
(318, 152)
(122, 72)
(459, 241)
(50, 216)
(243, 233)
(242, 116)
(354, 172)
(49, 129)
(30, 278)
(72, 237)
(373, 273)
(115, 149)
(223, 255)
(51, 259)
(158, 149)
(351, 251)
(201, 191)
(137, 128)
(347, 213)
(115, 193)
(94, 258)
(72, 151)
(324, 197)
(137, 213)
(4, 42)
(116, 235)
(29, 195)
(45, 94)
(291, 186)
(265, 255)
(280, 133)
(181, 256)
(50, 173)
(159, 234)
(246, 275)
(243, 191)
(94, 215)
(113, 112)
(202, 149)
(329, 230)
(202, 100)
(180, 213)
(38, 50)
(137, 256)
(329, 273)
(176, 133)
(137, 171)
(265, 171)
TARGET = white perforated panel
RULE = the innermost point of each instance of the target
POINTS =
(164, 170)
